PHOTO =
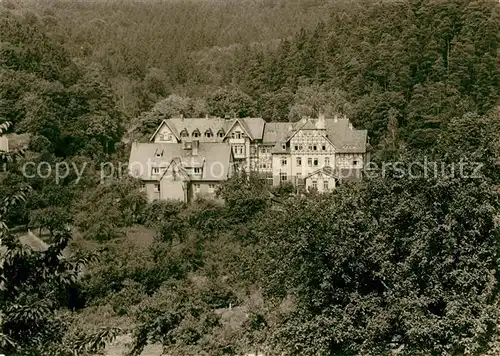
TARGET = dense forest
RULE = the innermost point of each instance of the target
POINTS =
(392, 264)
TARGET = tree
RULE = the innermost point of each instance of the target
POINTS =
(34, 285)
(103, 211)
(394, 262)
(175, 105)
(230, 101)
(51, 218)
(244, 196)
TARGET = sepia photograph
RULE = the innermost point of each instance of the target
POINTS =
(249, 177)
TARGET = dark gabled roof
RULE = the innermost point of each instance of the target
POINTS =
(214, 157)
(339, 131)
(275, 131)
(253, 125)
(242, 124)
(345, 137)
(165, 123)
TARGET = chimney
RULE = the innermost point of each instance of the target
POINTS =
(4, 143)
(321, 124)
(227, 116)
(182, 117)
(335, 118)
(194, 148)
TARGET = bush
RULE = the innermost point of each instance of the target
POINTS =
(161, 210)
(206, 216)
(107, 208)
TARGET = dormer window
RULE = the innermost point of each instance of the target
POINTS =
(208, 133)
(197, 170)
(196, 133)
(184, 133)
(156, 170)
(221, 133)
(159, 153)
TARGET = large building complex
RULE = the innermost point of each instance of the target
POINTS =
(189, 157)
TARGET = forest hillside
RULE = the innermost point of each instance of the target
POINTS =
(397, 263)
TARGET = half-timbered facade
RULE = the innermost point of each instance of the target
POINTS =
(313, 153)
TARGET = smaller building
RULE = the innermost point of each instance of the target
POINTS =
(323, 180)
(181, 171)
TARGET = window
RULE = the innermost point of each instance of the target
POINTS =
(355, 163)
(299, 179)
(184, 133)
(327, 161)
(301, 147)
(323, 148)
(220, 134)
(315, 184)
(283, 176)
(196, 133)
(325, 185)
(237, 134)
(309, 148)
(211, 188)
(284, 161)
(197, 170)
(143, 187)
(316, 162)
(315, 147)
(299, 161)
(208, 133)
(157, 188)
(283, 146)
(156, 170)
(296, 148)
(238, 149)
(310, 162)
(197, 187)
(165, 136)
(159, 153)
